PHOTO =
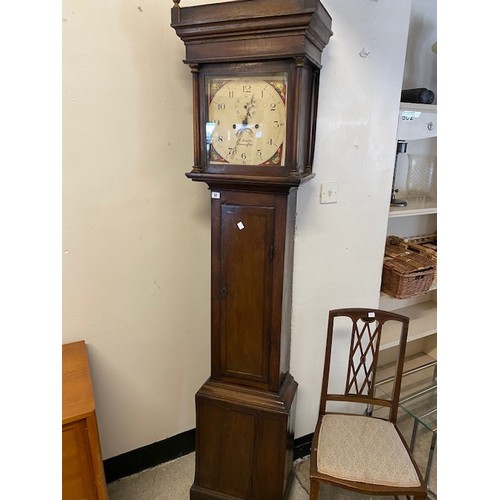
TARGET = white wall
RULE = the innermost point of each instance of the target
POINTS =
(136, 241)
(421, 67)
(339, 247)
(136, 248)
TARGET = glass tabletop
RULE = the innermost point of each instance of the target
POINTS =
(423, 407)
(418, 394)
(417, 412)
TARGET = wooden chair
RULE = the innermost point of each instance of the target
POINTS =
(353, 449)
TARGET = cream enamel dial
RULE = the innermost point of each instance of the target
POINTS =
(246, 122)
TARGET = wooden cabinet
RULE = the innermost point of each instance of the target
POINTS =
(82, 467)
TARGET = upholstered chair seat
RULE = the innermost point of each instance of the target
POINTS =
(364, 449)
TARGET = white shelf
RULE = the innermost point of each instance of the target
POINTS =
(416, 123)
(424, 206)
(423, 322)
(414, 106)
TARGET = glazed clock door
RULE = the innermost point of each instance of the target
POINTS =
(247, 288)
(246, 123)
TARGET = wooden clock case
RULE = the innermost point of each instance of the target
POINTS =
(245, 410)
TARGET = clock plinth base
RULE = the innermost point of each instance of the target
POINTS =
(244, 442)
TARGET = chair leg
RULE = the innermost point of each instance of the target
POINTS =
(314, 493)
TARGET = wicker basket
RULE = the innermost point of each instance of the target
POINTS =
(407, 271)
(428, 245)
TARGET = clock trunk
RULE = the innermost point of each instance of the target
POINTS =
(245, 411)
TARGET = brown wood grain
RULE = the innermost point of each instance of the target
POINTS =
(82, 467)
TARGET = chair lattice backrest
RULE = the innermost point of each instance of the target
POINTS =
(363, 357)
(366, 327)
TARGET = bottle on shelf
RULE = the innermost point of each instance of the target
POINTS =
(419, 96)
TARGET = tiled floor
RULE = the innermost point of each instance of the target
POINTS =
(172, 481)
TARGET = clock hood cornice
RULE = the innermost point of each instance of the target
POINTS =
(246, 30)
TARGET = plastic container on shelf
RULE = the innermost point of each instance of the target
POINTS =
(420, 181)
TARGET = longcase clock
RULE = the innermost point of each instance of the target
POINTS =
(255, 67)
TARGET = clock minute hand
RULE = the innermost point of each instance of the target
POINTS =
(239, 134)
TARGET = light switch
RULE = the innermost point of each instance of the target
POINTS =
(329, 192)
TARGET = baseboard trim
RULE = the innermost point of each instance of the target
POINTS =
(154, 454)
(149, 456)
(302, 446)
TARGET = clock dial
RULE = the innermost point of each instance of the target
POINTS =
(247, 120)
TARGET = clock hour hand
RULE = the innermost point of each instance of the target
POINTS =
(249, 106)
